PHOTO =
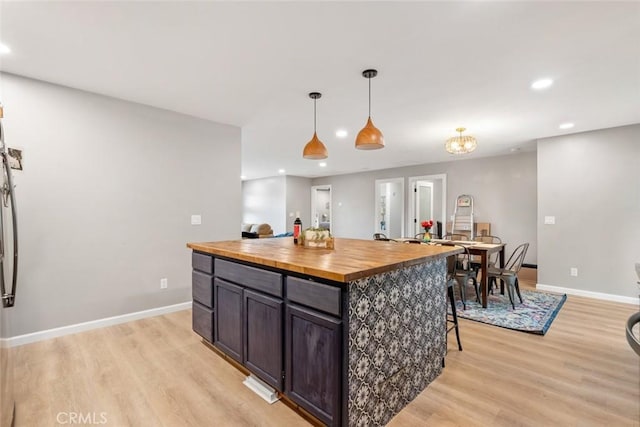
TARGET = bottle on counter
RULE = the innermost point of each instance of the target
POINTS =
(297, 228)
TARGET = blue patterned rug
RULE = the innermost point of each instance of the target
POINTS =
(534, 315)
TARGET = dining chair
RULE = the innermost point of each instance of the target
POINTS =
(464, 274)
(509, 274)
(379, 236)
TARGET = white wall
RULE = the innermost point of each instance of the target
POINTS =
(105, 199)
(504, 190)
(590, 182)
(263, 201)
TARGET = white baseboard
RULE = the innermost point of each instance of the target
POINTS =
(93, 324)
(589, 294)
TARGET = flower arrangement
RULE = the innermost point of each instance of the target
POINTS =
(427, 225)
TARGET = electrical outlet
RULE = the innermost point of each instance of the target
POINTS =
(164, 283)
(574, 271)
(196, 219)
(549, 220)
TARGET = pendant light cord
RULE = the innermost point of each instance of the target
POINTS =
(314, 115)
(369, 96)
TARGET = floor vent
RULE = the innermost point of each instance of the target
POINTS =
(261, 389)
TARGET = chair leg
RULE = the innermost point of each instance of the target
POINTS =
(452, 301)
(517, 286)
(477, 288)
(509, 285)
(491, 282)
(463, 293)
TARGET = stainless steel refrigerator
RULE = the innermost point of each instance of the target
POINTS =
(8, 279)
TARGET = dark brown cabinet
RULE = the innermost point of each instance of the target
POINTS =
(228, 328)
(263, 337)
(288, 331)
(203, 316)
(313, 362)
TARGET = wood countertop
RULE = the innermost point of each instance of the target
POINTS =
(351, 259)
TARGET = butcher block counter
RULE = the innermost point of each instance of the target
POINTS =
(350, 334)
(351, 259)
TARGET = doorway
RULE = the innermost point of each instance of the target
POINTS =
(321, 206)
(427, 200)
(389, 207)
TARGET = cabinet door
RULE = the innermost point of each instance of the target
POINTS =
(202, 321)
(314, 362)
(228, 318)
(263, 337)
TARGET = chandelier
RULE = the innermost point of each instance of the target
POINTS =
(461, 144)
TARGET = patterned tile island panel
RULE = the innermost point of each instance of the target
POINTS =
(397, 339)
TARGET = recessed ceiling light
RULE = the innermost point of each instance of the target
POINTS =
(322, 164)
(566, 126)
(281, 171)
(541, 84)
(341, 133)
(4, 49)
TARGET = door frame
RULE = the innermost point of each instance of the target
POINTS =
(413, 180)
(376, 208)
(314, 192)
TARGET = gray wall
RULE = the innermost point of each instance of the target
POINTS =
(105, 199)
(263, 200)
(590, 182)
(504, 190)
(298, 200)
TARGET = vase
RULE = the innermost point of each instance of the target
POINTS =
(427, 236)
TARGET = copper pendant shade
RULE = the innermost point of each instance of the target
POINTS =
(315, 149)
(370, 137)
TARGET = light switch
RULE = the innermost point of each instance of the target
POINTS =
(196, 219)
(550, 220)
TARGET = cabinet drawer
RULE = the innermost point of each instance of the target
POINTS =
(255, 278)
(202, 318)
(202, 262)
(313, 294)
(202, 288)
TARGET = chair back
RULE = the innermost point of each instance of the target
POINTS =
(453, 236)
(488, 239)
(514, 263)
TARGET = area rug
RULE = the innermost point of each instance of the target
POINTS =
(534, 315)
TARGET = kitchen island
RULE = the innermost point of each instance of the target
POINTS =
(350, 334)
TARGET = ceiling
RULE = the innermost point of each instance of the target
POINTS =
(440, 65)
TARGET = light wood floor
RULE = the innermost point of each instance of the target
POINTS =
(156, 372)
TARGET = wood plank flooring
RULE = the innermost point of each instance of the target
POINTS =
(156, 372)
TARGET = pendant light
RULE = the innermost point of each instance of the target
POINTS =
(461, 144)
(370, 137)
(315, 149)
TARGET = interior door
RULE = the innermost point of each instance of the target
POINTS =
(423, 192)
(427, 204)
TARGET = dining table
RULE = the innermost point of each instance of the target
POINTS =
(483, 250)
